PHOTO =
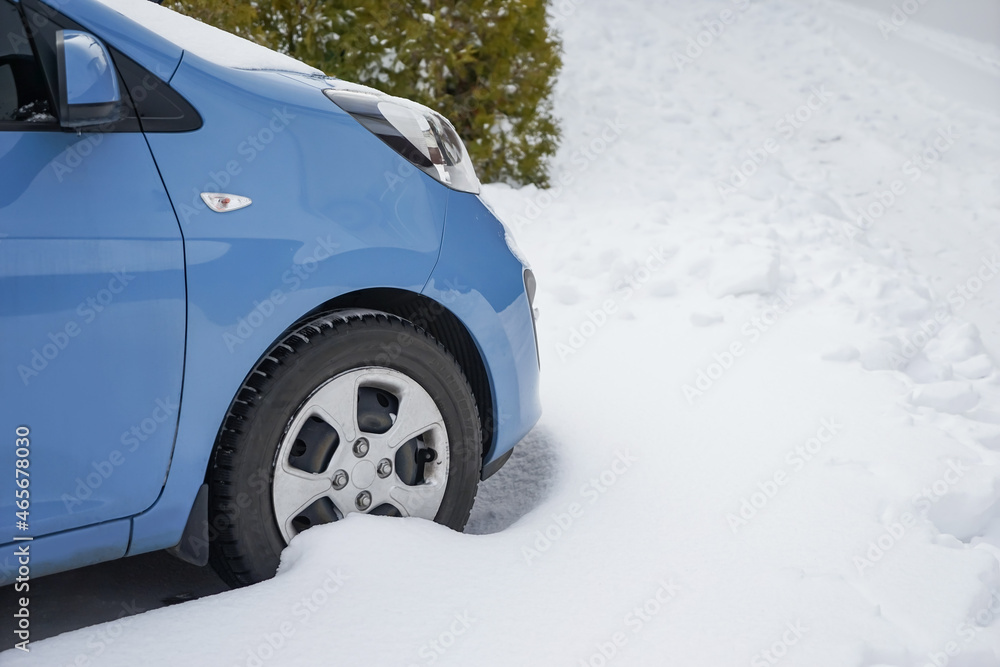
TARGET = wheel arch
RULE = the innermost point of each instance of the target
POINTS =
(437, 320)
(433, 317)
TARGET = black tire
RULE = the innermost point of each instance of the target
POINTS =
(245, 537)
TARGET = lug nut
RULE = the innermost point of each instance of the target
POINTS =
(339, 479)
(363, 501)
(384, 468)
(361, 448)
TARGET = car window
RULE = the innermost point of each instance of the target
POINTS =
(23, 92)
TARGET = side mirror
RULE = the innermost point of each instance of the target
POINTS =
(88, 82)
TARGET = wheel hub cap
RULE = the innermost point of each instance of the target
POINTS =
(370, 440)
(363, 475)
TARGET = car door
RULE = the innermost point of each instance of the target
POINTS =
(92, 308)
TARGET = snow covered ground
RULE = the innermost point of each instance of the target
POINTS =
(769, 292)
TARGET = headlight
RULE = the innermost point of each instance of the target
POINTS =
(421, 135)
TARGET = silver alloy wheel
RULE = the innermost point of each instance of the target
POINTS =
(356, 469)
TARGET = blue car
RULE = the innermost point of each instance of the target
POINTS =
(238, 298)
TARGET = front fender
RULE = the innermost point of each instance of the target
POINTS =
(325, 221)
(481, 282)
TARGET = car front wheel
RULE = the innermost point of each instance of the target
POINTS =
(355, 411)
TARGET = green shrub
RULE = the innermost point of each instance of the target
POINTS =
(488, 65)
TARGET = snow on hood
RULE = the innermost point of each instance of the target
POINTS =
(205, 41)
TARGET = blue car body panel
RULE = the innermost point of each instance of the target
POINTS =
(66, 550)
(335, 211)
(92, 310)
